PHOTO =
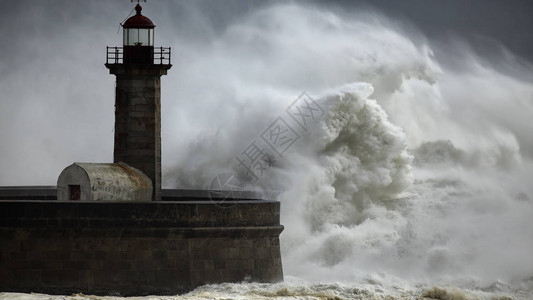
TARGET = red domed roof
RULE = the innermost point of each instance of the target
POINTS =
(138, 21)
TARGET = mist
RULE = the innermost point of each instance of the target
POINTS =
(426, 179)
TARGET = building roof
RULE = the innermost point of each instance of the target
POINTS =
(121, 173)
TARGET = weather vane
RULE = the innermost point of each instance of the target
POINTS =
(138, 1)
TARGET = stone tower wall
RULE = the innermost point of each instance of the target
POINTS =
(138, 119)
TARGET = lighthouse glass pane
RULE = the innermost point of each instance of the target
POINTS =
(144, 37)
(138, 36)
(133, 36)
(128, 36)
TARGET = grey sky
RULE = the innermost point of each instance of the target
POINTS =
(508, 22)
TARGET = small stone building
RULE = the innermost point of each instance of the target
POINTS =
(103, 182)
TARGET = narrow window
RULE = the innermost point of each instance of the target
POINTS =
(122, 145)
(122, 98)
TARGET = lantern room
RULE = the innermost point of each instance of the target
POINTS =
(138, 39)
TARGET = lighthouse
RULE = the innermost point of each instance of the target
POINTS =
(138, 67)
(102, 229)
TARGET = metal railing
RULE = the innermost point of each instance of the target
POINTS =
(115, 55)
(162, 54)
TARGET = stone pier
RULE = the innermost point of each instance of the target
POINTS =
(136, 248)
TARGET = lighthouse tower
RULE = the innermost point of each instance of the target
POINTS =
(138, 67)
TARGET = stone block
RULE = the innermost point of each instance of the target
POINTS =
(219, 264)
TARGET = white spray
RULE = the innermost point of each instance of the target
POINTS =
(419, 175)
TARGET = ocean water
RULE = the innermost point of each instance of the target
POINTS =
(412, 180)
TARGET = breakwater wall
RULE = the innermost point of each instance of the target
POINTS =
(137, 248)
